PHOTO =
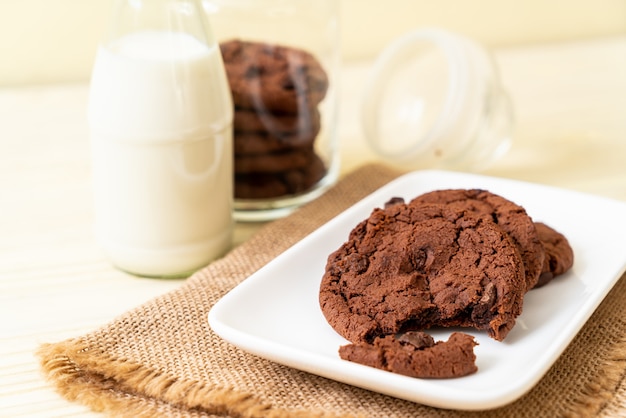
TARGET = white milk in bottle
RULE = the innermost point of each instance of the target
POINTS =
(160, 115)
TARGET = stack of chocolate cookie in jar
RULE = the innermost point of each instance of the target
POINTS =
(276, 91)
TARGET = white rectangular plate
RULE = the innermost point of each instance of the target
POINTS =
(275, 312)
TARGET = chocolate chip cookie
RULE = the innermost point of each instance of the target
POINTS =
(274, 162)
(251, 143)
(559, 254)
(305, 123)
(511, 217)
(268, 77)
(412, 267)
(290, 182)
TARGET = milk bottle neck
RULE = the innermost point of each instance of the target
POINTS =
(159, 75)
(178, 16)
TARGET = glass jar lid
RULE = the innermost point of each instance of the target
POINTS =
(434, 99)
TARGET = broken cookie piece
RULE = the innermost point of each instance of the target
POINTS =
(416, 354)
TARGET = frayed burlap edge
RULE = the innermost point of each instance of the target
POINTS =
(615, 406)
(133, 390)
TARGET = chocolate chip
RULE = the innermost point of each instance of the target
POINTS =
(253, 71)
(485, 303)
(394, 201)
(417, 339)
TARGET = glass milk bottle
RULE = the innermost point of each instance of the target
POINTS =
(160, 116)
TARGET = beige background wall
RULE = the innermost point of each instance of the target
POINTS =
(44, 41)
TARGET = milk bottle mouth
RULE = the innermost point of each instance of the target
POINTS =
(433, 99)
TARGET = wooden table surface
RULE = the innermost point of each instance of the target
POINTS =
(570, 103)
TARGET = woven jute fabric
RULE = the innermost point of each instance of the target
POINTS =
(162, 358)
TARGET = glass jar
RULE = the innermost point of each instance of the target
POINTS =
(282, 62)
(160, 118)
(434, 100)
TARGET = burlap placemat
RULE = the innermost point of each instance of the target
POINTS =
(162, 359)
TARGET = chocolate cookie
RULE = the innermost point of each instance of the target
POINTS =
(270, 185)
(416, 354)
(412, 267)
(274, 162)
(511, 217)
(269, 78)
(559, 254)
(306, 123)
(264, 143)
